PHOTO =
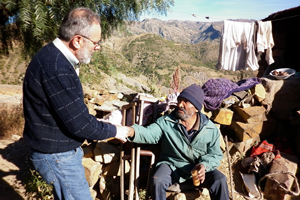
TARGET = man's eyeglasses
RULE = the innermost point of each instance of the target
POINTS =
(95, 43)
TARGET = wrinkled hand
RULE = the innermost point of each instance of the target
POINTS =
(123, 132)
(201, 172)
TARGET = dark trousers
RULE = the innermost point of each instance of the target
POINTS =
(215, 182)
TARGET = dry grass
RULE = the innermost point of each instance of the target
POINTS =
(11, 121)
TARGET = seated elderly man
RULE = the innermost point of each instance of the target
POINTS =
(189, 142)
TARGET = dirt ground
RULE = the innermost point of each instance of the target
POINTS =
(10, 95)
(14, 152)
(14, 167)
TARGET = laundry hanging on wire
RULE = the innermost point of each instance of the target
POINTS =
(240, 41)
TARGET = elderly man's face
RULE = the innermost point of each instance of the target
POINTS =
(85, 54)
(185, 109)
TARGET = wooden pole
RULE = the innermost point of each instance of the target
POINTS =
(122, 154)
(132, 166)
(229, 166)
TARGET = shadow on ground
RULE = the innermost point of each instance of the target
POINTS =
(14, 169)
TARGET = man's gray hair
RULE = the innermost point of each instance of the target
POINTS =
(78, 21)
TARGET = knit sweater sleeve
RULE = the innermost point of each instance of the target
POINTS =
(65, 97)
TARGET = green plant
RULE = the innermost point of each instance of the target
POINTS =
(142, 194)
(37, 187)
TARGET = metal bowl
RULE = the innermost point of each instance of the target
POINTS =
(290, 72)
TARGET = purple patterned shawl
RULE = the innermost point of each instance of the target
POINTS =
(216, 90)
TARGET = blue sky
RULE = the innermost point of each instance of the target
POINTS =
(218, 10)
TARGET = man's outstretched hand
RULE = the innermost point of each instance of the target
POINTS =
(123, 132)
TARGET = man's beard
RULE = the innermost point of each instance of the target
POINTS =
(84, 56)
(184, 115)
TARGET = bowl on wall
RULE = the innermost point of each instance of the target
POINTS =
(282, 73)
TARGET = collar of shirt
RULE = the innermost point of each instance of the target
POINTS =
(67, 53)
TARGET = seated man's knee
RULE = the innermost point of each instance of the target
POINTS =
(223, 179)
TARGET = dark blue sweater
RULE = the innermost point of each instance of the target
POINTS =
(56, 118)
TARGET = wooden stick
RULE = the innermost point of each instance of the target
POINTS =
(122, 165)
(122, 154)
(137, 153)
(122, 177)
(229, 166)
(132, 174)
(132, 166)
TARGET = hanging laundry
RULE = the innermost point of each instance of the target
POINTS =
(265, 40)
(237, 46)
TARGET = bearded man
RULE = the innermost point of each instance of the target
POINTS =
(189, 142)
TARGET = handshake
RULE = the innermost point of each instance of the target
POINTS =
(123, 132)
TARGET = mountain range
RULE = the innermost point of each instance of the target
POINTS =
(189, 32)
(183, 31)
